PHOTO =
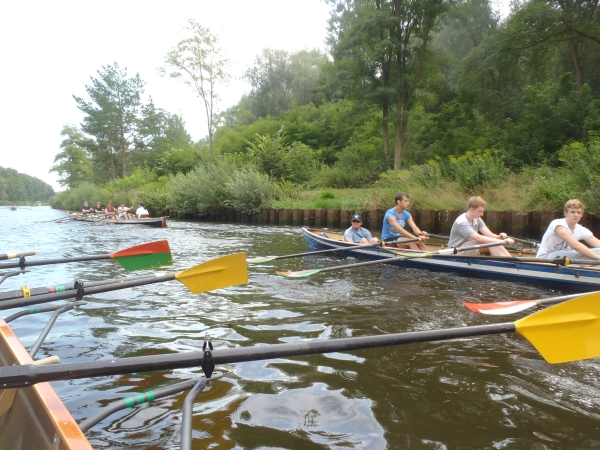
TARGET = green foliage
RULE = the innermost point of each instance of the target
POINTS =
(72, 164)
(20, 188)
(359, 164)
(326, 194)
(222, 183)
(476, 172)
(72, 199)
(296, 162)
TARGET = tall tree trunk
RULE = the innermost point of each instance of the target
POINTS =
(401, 124)
(112, 164)
(576, 63)
(386, 133)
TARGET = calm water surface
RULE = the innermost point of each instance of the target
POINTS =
(491, 392)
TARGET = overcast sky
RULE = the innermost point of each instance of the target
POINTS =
(50, 49)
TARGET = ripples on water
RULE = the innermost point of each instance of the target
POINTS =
(486, 392)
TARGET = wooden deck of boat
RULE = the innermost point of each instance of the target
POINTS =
(33, 417)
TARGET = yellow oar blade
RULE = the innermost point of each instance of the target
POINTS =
(217, 273)
(565, 332)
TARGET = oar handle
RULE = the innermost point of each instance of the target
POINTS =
(27, 375)
(523, 241)
(437, 236)
(15, 255)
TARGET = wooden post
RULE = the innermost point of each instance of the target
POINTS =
(320, 218)
(297, 217)
(345, 218)
(309, 217)
(447, 220)
(333, 218)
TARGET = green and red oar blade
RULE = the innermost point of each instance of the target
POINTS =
(144, 256)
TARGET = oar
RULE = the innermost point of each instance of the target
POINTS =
(525, 260)
(218, 273)
(48, 221)
(26, 291)
(390, 260)
(566, 332)
(143, 256)
(261, 259)
(522, 241)
(15, 255)
(515, 306)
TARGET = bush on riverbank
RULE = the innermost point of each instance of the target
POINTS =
(235, 182)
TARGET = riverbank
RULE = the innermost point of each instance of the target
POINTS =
(529, 225)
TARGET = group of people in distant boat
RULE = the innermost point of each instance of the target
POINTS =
(109, 211)
(562, 239)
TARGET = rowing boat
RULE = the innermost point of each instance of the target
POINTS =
(35, 417)
(580, 278)
(155, 222)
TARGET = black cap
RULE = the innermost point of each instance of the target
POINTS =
(356, 217)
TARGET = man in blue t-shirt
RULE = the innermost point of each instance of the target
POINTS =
(357, 234)
(395, 221)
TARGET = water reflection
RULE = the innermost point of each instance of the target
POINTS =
(485, 392)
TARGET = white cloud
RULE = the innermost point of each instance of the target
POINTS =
(50, 50)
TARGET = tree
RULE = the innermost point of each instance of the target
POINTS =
(198, 62)
(384, 44)
(112, 117)
(72, 164)
(279, 78)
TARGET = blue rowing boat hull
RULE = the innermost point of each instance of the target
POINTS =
(573, 278)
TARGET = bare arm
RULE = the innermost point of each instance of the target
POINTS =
(396, 226)
(487, 237)
(564, 234)
(415, 228)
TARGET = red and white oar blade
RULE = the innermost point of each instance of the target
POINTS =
(501, 308)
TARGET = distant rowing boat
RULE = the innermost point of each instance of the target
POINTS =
(155, 222)
(581, 278)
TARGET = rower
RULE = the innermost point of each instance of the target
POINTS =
(86, 209)
(469, 229)
(99, 208)
(142, 212)
(110, 211)
(395, 221)
(563, 236)
(122, 210)
(357, 234)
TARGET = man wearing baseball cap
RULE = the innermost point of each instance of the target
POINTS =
(358, 234)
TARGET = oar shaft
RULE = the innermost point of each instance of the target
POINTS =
(15, 255)
(27, 375)
(331, 250)
(523, 241)
(9, 295)
(158, 278)
(43, 262)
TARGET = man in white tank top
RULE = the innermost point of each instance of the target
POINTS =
(563, 236)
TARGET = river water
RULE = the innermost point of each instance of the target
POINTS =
(491, 392)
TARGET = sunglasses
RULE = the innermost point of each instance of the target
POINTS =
(357, 221)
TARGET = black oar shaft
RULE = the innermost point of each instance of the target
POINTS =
(27, 375)
(9, 295)
(43, 262)
(158, 278)
(408, 256)
(331, 250)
